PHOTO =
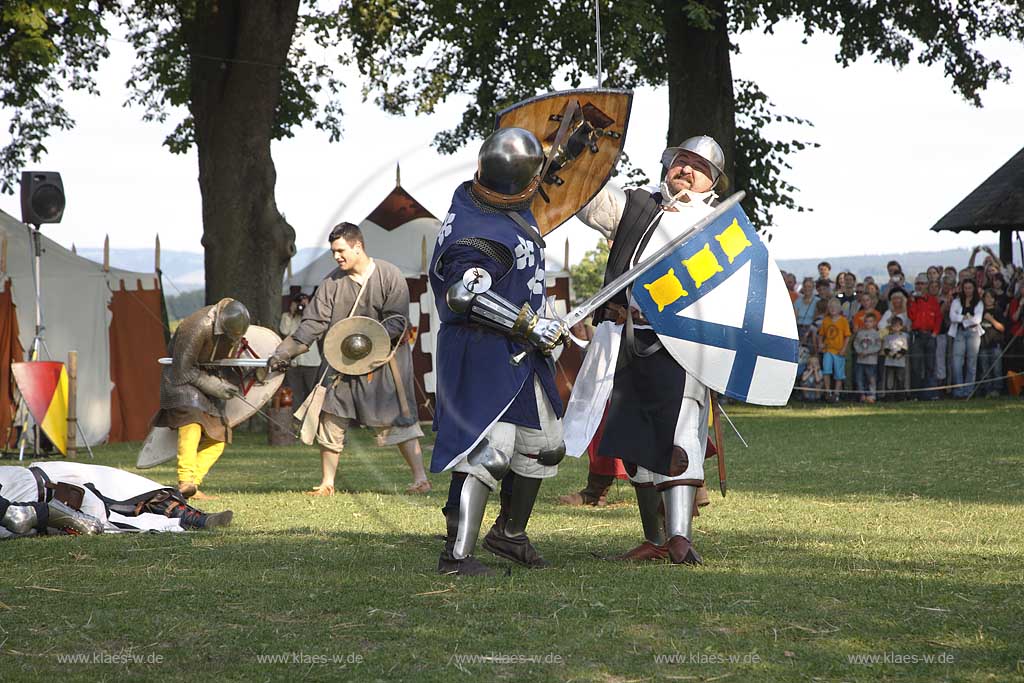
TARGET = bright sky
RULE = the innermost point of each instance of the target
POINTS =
(899, 149)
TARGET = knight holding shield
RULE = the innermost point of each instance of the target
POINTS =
(657, 420)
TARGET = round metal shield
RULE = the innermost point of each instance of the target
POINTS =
(257, 388)
(356, 345)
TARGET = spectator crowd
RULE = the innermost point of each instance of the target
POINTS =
(942, 332)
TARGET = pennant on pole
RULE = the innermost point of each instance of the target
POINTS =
(44, 384)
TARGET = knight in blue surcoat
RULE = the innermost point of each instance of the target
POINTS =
(498, 416)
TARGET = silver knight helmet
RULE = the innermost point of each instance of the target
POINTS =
(233, 319)
(703, 146)
(508, 168)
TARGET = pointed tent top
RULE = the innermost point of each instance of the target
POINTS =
(398, 175)
(996, 204)
(397, 209)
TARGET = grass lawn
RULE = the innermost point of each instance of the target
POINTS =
(891, 532)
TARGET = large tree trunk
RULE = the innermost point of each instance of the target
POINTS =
(247, 241)
(700, 95)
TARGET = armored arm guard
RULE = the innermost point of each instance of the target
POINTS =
(22, 518)
(215, 387)
(284, 353)
(498, 313)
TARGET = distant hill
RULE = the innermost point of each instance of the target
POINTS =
(183, 270)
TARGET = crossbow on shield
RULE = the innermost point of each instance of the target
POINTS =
(582, 132)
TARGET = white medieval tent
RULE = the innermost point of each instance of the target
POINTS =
(402, 231)
(113, 318)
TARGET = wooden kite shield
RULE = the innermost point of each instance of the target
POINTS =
(582, 132)
(257, 389)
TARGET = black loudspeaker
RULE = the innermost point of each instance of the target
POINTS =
(42, 197)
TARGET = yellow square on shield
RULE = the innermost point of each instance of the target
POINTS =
(702, 266)
(733, 241)
(666, 289)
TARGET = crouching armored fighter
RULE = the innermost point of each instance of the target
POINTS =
(191, 399)
(498, 410)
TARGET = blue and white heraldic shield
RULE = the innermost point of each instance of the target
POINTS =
(720, 307)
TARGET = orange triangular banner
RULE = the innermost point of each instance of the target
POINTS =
(44, 384)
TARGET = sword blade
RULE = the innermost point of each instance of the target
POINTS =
(729, 420)
(603, 295)
(226, 363)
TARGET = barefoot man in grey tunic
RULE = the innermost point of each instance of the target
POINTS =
(360, 286)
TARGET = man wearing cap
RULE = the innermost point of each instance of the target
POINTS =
(373, 288)
(926, 321)
(498, 410)
(191, 399)
(657, 420)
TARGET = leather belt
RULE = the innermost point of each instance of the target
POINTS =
(43, 494)
(638, 317)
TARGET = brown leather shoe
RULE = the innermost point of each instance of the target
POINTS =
(680, 551)
(578, 499)
(187, 489)
(517, 549)
(644, 552)
(218, 519)
(469, 566)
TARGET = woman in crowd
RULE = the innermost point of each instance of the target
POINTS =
(897, 306)
(965, 314)
(1014, 358)
(993, 325)
(804, 306)
(998, 285)
(872, 289)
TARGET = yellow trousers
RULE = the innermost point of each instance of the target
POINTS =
(196, 453)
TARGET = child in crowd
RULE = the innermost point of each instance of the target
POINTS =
(811, 380)
(867, 305)
(867, 343)
(895, 347)
(824, 288)
(835, 336)
(809, 364)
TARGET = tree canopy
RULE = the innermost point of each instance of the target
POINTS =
(416, 53)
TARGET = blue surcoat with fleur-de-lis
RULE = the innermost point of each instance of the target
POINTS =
(476, 384)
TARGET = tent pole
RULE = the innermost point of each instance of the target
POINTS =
(72, 433)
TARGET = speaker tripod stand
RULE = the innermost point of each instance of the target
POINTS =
(38, 348)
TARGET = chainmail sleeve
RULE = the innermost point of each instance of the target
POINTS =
(498, 253)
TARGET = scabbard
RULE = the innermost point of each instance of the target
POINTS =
(719, 442)
(403, 402)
